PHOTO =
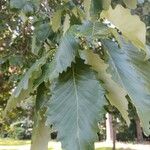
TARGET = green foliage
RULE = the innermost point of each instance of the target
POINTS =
(41, 33)
(77, 87)
(69, 41)
(20, 130)
(126, 133)
(98, 5)
(130, 4)
(129, 64)
(56, 20)
(28, 7)
(116, 95)
(17, 4)
(132, 24)
(66, 52)
(25, 86)
(18, 133)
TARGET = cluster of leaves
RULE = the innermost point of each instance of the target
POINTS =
(79, 63)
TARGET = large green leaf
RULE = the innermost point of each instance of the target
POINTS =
(56, 20)
(133, 72)
(76, 106)
(66, 52)
(25, 86)
(69, 44)
(116, 94)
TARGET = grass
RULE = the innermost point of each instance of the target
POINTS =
(104, 148)
(96, 149)
(110, 149)
(12, 142)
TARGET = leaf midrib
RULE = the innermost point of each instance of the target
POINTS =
(77, 104)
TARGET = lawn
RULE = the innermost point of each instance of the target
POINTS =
(12, 142)
(96, 149)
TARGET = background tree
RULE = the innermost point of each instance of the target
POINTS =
(78, 61)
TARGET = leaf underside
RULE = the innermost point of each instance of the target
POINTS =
(66, 52)
(134, 73)
(130, 25)
(116, 94)
(77, 101)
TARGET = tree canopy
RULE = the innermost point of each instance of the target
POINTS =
(74, 56)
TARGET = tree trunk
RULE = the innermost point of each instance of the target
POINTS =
(41, 133)
(114, 134)
(138, 130)
(109, 128)
(40, 136)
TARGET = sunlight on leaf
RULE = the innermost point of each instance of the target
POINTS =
(130, 3)
(130, 25)
(116, 94)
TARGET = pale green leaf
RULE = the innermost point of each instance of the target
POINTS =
(76, 106)
(75, 12)
(134, 73)
(66, 25)
(130, 25)
(106, 4)
(130, 3)
(25, 86)
(87, 6)
(56, 20)
(116, 94)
